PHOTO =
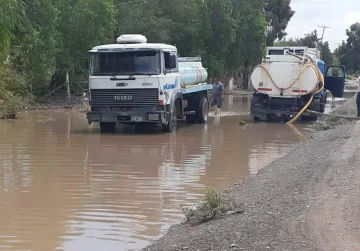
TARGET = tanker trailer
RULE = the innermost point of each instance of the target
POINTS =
(288, 80)
(191, 71)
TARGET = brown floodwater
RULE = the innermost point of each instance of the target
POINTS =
(64, 186)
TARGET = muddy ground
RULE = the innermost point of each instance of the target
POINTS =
(307, 200)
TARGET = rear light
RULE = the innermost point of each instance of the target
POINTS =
(161, 102)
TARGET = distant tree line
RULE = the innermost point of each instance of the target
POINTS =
(42, 40)
(311, 40)
(347, 54)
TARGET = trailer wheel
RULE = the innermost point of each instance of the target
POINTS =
(202, 111)
(107, 127)
(172, 122)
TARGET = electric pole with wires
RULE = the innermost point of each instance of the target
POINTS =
(324, 27)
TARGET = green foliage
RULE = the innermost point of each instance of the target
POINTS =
(12, 87)
(228, 35)
(327, 55)
(42, 40)
(278, 14)
(312, 41)
(348, 53)
(9, 14)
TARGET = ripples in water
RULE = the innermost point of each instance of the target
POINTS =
(63, 186)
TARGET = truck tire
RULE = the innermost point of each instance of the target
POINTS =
(202, 111)
(318, 105)
(172, 122)
(323, 103)
(107, 127)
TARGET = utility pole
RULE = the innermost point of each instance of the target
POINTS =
(323, 28)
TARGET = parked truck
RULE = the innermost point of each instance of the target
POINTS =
(135, 82)
(290, 77)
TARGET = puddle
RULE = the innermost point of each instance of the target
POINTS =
(63, 186)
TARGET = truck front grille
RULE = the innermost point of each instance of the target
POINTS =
(125, 97)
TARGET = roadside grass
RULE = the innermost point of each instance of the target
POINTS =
(214, 205)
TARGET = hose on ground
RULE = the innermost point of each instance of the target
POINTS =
(334, 115)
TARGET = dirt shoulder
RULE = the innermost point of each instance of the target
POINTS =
(307, 200)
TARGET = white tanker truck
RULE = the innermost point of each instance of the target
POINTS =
(289, 78)
(135, 82)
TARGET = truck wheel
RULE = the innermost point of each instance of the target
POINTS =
(172, 122)
(323, 103)
(107, 126)
(202, 111)
(322, 108)
(318, 105)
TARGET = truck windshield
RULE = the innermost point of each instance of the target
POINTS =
(145, 62)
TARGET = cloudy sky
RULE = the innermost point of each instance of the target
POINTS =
(338, 14)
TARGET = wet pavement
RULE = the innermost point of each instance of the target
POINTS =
(64, 186)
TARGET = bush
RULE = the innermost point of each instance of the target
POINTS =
(214, 204)
(12, 88)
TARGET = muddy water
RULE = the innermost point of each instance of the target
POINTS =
(63, 186)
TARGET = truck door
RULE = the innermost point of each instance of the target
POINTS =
(335, 80)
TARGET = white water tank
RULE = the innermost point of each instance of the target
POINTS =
(191, 71)
(286, 77)
(131, 39)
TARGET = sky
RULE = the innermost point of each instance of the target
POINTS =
(309, 14)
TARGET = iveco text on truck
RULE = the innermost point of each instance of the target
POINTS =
(135, 82)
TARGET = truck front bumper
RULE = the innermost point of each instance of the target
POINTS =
(127, 117)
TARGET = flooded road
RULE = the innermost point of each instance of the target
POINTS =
(63, 186)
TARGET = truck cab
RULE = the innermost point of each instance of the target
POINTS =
(135, 82)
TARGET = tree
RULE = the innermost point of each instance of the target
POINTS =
(38, 37)
(249, 44)
(353, 47)
(82, 25)
(9, 17)
(348, 53)
(341, 54)
(326, 55)
(44, 40)
(311, 40)
(149, 20)
(278, 14)
(221, 37)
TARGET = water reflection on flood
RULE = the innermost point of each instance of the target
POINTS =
(63, 186)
